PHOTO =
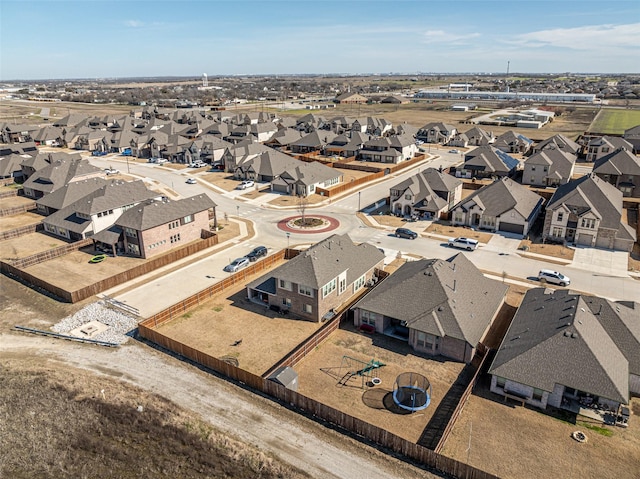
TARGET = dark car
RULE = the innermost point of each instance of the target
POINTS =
(406, 233)
(257, 252)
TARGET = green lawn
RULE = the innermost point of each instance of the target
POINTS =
(615, 122)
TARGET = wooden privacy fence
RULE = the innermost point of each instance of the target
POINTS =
(16, 210)
(316, 409)
(342, 187)
(21, 231)
(8, 194)
(34, 281)
(49, 254)
(484, 352)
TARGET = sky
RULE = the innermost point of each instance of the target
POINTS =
(148, 38)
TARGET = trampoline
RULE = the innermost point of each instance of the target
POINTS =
(412, 392)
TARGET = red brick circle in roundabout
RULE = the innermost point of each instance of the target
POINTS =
(329, 224)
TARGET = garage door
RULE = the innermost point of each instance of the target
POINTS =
(281, 188)
(511, 228)
(584, 240)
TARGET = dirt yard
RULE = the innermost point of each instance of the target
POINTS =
(16, 221)
(216, 326)
(13, 201)
(27, 245)
(221, 179)
(555, 250)
(515, 442)
(442, 229)
(321, 371)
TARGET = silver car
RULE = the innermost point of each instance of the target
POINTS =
(237, 264)
(549, 276)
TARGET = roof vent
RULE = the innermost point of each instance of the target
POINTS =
(440, 308)
(566, 333)
(574, 335)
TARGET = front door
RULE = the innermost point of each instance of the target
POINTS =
(571, 235)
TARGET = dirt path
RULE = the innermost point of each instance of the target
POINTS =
(320, 452)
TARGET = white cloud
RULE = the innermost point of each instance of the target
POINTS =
(134, 23)
(440, 36)
(593, 37)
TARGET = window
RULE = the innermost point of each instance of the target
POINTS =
(358, 283)
(458, 217)
(305, 290)
(286, 302)
(133, 249)
(131, 232)
(187, 219)
(560, 216)
(533, 168)
(557, 232)
(546, 169)
(588, 223)
(367, 317)
(285, 284)
(175, 238)
(329, 288)
(174, 224)
(342, 286)
(500, 382)
(307, 308)
(49, 228)
(407, 197)
(537, 394)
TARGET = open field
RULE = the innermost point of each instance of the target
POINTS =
(515, 442)
(615, 121)
(218, 324)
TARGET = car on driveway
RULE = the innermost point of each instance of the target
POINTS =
(463, 243)
(245, 184)
(256, 253)
(550, 276)
(191, 181)
(406, 233)
(237, 264)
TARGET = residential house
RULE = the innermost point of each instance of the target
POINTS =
(303, 179)
(503, 206)
(347, 144)
(621, 168)
(10, 166)
(68, 195)
(395, 100)
(320, 280)
(476, 136)
(588, 212)
(313, 142)
(428, 194)
(283, 138)
(550, 166)
(98, 210)
(56, 174)
(154, 227)
(632, 135)
(440, 307)
(601, 146)
(563, 347)
(436, 133)
(392, 149)
(487, 162)
(559, 142)
(512, 142)
(11, 133)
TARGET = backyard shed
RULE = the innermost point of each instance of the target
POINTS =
(286, 377)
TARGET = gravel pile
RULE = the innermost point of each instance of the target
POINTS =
(119, 323)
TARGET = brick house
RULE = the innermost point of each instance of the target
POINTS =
(319, 280)
(621, 168)
(154, 227)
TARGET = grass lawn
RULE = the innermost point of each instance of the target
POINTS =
(615, 122)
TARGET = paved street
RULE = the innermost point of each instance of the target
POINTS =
(593, 271)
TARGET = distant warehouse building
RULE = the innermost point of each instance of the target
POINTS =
(504, 95)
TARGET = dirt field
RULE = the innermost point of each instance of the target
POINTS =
(27, 245)
(516, 442)
(16, 221)
(456, 231)
(13, 201)
(320, 372)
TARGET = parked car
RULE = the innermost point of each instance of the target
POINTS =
(153, 160)
(257, 252)
(463, 243)
(406, 233)
(197, 164)
(111, 171)
(237, 264)
(454, 151)
(245, 184)
(191, 181)
(550, 276)
(161, 161)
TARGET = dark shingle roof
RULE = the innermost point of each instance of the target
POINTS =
(155, 213)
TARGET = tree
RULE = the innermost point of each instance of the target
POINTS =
(303, 203)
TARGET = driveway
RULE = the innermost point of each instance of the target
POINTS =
(601, 261)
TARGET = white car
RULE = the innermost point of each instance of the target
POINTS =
(161, 161)
(463, 243)
(245, 184)
(454, 151)
(550, 276)
(237, 264)
(111, 171)
(191, 181)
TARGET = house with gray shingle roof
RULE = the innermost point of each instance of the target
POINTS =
(302, 178)
(550, 166)
(98, 210)
(61, 170)
(155, 226)
(621, 168)
(562, 347)
(68, 194)
(604, 145)
(436, 132)
(313, 142)
(632, 135)
(427, 194)
(588, 212)
(391, 149)
(512, 142)
(503, 206)
(319, 280)
(560, 142)
(476, 136)
(487, 162)
(440, 307)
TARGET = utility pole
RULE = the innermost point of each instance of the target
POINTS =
(507, 78)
